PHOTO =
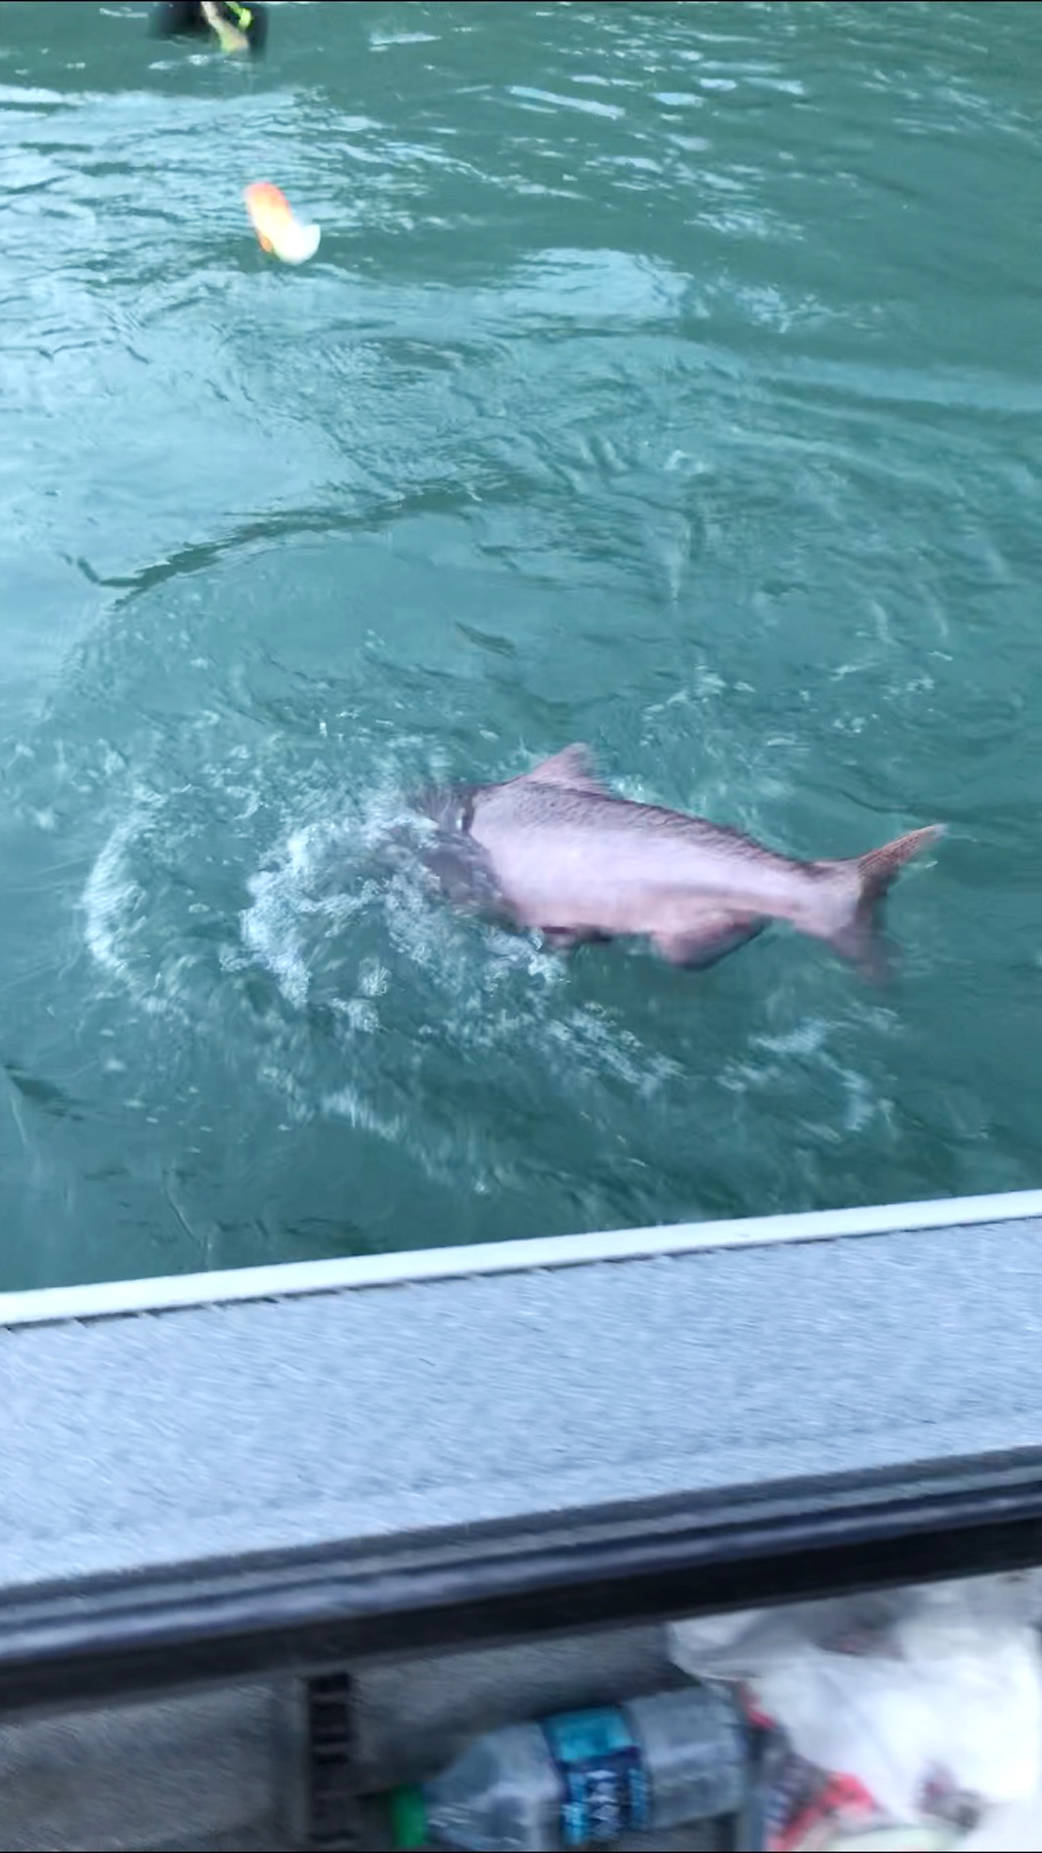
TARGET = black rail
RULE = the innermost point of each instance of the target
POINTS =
(744, 1546)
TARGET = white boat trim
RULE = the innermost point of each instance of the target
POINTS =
(113, 1299)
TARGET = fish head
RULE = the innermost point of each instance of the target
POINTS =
(449, 807)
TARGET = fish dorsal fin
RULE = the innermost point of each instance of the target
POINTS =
(573, 766)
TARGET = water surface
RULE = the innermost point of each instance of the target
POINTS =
(667, 379)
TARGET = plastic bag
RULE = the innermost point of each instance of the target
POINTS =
(915, 1709)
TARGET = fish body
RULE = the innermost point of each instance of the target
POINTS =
(554, 851)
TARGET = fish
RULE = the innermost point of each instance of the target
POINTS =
(554, 852)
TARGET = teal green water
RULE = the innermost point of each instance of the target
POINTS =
(667, 378)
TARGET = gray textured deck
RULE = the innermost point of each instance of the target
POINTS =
(154, 1439)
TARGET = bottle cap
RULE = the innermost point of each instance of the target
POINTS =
(408, 1819)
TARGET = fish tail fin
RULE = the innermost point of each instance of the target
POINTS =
(859, 937)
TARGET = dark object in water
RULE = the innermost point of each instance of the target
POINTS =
(554, 851)
(174, 19)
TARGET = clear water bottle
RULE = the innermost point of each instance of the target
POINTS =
(584, 1778)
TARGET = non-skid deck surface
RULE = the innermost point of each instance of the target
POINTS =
(155, 1439)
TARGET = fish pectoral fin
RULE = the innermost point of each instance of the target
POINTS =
(572, 766)
(703, 945)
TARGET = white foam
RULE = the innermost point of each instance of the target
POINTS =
(111, 903)
(287, 892)
(347, 1103)
(269, 926)
(806, 1038)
